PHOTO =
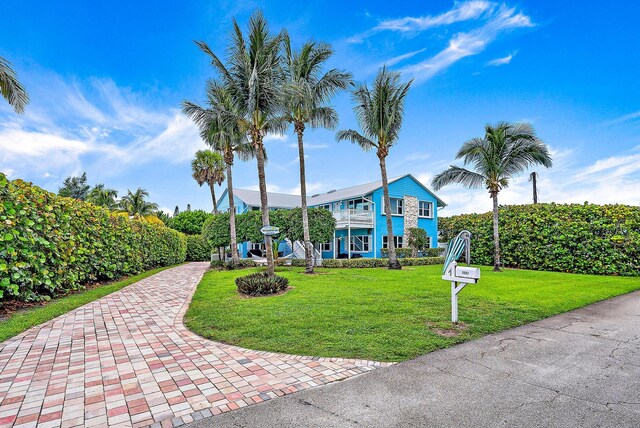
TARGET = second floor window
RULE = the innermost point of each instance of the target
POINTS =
(425, 209)
(397, 206)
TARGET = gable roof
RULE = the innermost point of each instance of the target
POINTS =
(285, 200)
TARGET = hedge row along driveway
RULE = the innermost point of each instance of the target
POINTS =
(592, 239)
(51, 244)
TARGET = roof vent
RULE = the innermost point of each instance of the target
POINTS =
(331, 191)
(317, 194)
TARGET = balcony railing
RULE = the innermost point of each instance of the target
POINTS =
(353, 218)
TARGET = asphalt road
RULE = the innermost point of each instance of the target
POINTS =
(578, 369)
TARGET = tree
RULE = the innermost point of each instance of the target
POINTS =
(189, 222)
(307, 92)
(533, 178)
(135, 203)
(252, 77)
(505, 151)
(103, 196)
(418, 240)
(11, 89)
(216, 230)
(379, 112)
(224, 136)
(208, 167)
(75, 187)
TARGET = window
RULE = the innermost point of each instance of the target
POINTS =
(397, 206)
(360, 244)
(325, 207)
(397, 241)
(425, 209)
(325, 246)
(358, 204)
(257, 246)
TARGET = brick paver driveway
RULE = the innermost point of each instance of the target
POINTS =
(127, 360)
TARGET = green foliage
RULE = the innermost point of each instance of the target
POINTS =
(594, 239)
(50, 245)
(261, 284)
(216, 230)
(417, 239)
(321, 225)
(408, 252)
(75, 187)
(189, 222)
(198, 250)
(370, 263)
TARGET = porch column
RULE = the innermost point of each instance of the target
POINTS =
(334, 244)
(349, 240)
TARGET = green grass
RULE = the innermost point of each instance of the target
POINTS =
(384, 315)
(25, 319)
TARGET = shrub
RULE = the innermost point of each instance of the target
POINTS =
(371, 263)
(198, 249)
(229, 265)
(50, 245)
(261, 284)
(588, 238)
(189, 222)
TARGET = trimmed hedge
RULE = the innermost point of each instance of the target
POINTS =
(587, 238)
(50, 244)
(407, 252)
(371, 263)
(198, 249)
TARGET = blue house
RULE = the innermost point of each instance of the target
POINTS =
(361, 229)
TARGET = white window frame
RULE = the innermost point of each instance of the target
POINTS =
(366, 246)
(325, 246)
(420, 210)
(325, 207)
(256, 246)
(398, 241)
(401, 200)
(353, 203)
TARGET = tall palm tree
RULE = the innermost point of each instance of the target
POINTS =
(307, 92)
(208, 167)
(253, 78)
(223, 136)
(103, 196)
(135, 203)
(10, 88)
(379, 113)
(505, 151)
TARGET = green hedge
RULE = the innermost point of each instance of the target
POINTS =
(50, 244)
(407, 252)
(371, 263)
(587, 238)
(198, 249)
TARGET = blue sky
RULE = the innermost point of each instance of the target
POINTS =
(106, 81)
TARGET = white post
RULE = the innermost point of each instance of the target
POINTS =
(349, 238)
(454, 303)
(334, 244)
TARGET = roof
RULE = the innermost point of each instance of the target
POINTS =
(276, 200)
(285, 200)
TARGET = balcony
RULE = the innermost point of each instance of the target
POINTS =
(353, 218)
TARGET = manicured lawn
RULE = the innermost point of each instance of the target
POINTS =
(384, 315)
(25, 319)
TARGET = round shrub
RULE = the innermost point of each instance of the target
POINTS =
(189, 222)
(261, 284)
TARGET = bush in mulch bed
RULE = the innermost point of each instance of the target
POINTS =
(261, 284)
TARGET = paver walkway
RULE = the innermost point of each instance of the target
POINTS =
(128, 360)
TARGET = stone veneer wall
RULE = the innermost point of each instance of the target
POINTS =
(410, 215)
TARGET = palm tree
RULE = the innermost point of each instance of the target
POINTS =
(208, 167)
(252, 77)
(379, 113)
(307, 92)
(103, 196)
(505, 151)
(10, 88)
(223, 136)
(135, 203)
(533, 177)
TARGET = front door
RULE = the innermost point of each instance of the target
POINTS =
(337, 247)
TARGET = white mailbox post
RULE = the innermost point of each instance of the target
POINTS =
(459, 276)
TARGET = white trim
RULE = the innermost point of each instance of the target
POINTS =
(431, 209)
(395, 241)
(368, 243)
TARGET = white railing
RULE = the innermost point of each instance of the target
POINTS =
(361, 218)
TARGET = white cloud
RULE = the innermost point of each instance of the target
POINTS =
(501, 61)
(275, 137)
(623, 119)
(310, 146)
(70, 126)
(461, 11)
(470, 43)
(397, 59)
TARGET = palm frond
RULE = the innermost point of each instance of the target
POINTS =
(11, 88)
(458, 175)
(355, 137)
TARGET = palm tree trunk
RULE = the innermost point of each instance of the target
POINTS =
(496, 235)
(232, 216)
(534, 179)
(264, 204)
(308, 247)
(393, 260)
(213, 197)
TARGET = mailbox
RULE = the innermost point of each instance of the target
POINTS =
(468, 272)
